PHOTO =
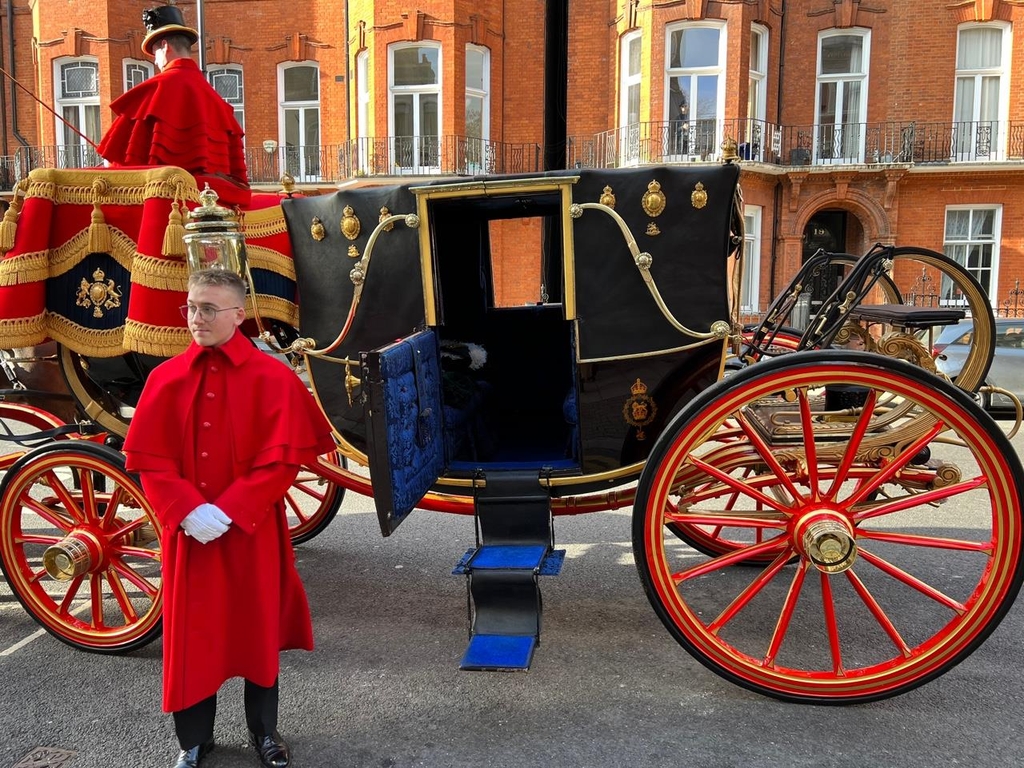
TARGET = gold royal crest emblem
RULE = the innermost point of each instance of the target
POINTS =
(350, 223)
(640, 409)
(98, 294)
(699, 196)
(654, 199)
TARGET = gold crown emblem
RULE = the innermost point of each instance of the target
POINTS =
(639, 388)
(98, 275)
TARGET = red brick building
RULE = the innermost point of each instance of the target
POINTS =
(858, 123)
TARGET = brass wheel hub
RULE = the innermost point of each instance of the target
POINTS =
(75, 555)
(826, 538)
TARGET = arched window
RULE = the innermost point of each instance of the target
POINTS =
(299, 89)
(981, 99)
(478, 108)
(77, 97)
(227, 81)
(414, 74)
(629, 97)
(842, 97)
(695, 87)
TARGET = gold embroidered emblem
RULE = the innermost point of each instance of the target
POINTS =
(385, 213)
(640, 409)
(317, 229)
(607, 197)
(654, 199)
(699, 197)
(353, 252)
(652, 229)
(97, 294)
(349, 223)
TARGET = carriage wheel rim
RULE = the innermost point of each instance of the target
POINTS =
(989, 599)
(122, 600)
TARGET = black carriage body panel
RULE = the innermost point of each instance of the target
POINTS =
(580, 382)
(689, 246)
(391, 305)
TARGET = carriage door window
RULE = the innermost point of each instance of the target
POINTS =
(629, 108)
(300, 117)
(842, 97)
(478, 76)
(695, 88)
(980, 100)
(76, 83)
(415, 75)
(972, 241)
(136, 72)
(752, 139)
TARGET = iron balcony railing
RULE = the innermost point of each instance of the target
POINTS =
(801, 145)
(677, 141)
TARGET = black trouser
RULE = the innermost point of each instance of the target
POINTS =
(194, 725)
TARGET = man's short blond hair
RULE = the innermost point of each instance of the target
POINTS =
(215, 277)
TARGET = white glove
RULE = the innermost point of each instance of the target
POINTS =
(206, 523)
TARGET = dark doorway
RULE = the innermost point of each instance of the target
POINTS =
(826, 230)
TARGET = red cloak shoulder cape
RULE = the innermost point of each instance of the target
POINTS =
(176, 118)
(228, 426)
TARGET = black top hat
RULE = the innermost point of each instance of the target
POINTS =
(162, 21)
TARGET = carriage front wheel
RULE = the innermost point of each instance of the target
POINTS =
(882, 505)
(79, 545)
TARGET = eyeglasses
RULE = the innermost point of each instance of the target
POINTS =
(207, 314)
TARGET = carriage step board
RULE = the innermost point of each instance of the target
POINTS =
(536, 558)
(499, 653)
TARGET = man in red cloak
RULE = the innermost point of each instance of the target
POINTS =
(217, 438)
(176, 117)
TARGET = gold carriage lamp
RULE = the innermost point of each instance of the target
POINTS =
(213, 237)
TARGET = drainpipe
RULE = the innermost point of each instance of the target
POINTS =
(777, 204)
(200, 27)
(10, 68)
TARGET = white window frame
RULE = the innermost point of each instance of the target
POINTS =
(305, 165)
(72, 151)
(837, 134)
(423, 153)
(238, 105)
(756, 130)
(127, 65)
(750, 286)
(979, 139)
(959, 249)
(363, 142)
(630, 83)
(699, 143)
(478, 147)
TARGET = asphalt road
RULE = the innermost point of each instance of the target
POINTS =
(608, 687)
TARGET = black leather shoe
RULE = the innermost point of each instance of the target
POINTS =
(190, 758)
(272, 750)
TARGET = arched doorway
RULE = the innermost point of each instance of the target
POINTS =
(826, 229)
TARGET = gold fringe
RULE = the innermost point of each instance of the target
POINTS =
(269, 259)
(160, 341)
(264, 222)
(24, 331)
(69, 255)
(85, 341)
(174, 235)
(25, 268)
(159, 274)
(75, 187)
(274, 307)
(9, 226)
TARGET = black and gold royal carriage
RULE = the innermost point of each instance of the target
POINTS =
(817, 514)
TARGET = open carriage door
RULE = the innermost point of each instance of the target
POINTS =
(404, 420)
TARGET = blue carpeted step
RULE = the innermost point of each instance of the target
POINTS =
(546, 562)
(499, 653)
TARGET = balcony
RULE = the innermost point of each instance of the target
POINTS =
(801, 145)
(326, 164)
(782, 146)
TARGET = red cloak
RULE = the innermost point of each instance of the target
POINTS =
(177, 118)
(231, 426)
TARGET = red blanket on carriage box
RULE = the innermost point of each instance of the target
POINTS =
(93, 259)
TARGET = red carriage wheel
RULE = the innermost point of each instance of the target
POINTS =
(79, 546)
(883, 564)
(313, 501)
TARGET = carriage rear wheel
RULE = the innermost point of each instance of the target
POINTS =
(79, 546)
(887, 521)
(313, 501)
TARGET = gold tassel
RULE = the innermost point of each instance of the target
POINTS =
(9, 226)
(174, 235)
(99, 233)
